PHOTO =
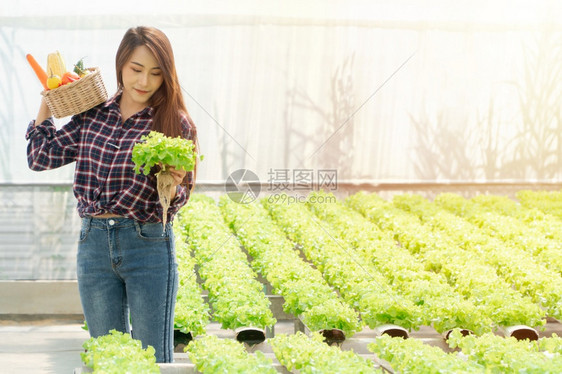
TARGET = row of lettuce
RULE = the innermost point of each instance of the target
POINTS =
(119, 353)
(458, 263)
(476, 264)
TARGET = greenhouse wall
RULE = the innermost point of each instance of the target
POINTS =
(39, 227)
(384, 95)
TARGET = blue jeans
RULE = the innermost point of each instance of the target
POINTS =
(127, 269)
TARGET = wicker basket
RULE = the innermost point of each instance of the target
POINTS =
(78, 96)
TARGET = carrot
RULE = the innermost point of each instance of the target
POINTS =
(38, 70)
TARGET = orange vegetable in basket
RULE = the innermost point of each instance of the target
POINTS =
(41, 74)
(69, 77)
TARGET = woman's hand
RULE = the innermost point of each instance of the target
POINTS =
(178, 176)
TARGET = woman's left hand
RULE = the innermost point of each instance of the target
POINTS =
(178, 176)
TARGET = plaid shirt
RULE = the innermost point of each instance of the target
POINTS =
(101, 144)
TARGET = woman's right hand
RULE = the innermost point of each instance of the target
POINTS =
(44, 112)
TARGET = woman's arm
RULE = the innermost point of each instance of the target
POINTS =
(44, 112)
(49, 148)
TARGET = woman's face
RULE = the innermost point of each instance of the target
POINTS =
(142, 77)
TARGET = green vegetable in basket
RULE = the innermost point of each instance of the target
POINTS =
(80, 69)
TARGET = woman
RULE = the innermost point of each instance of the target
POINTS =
(126, 266)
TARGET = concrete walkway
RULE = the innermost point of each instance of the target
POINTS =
(41, 348)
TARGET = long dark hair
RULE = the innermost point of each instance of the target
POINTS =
(167, 101)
